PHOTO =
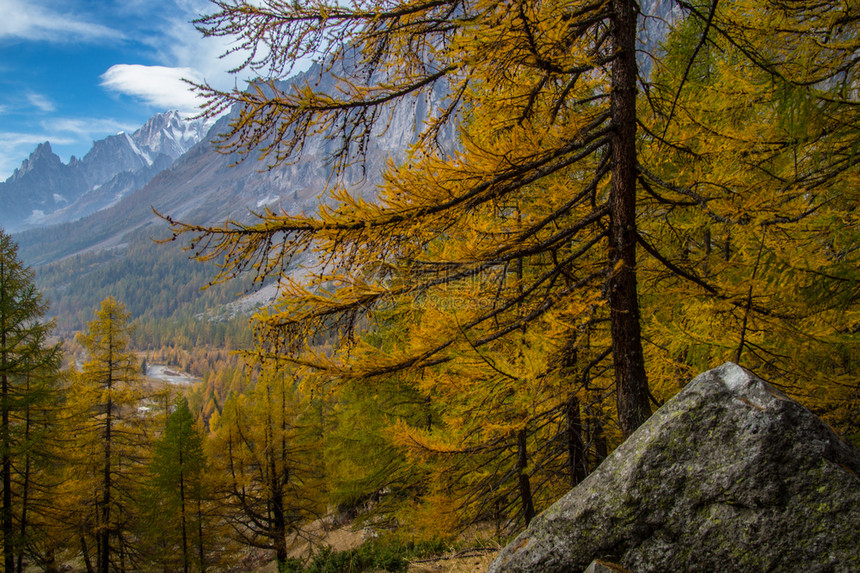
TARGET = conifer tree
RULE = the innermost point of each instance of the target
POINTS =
(28, 367)
(268, 461)
(178, 488)
(104, 399)
(553, 93)
(564, 159)
(756, 234)
(732, 171)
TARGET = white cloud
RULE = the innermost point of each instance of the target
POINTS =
(41, 102)
(86, 128)
(27, 20)
(158, 86)
(182, 45)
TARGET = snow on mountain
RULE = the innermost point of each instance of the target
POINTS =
(169, 133)
(45, 191)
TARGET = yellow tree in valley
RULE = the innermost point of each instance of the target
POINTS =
(104, 399)
(268, 461)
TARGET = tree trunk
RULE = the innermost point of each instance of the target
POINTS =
(8, 533)
(25, 493)
(85, 552)
(525, 486)
(200, 535)
(182, 511)
(576, 455)
(8, 553)
(630, 380)
(601, 450)
(104, 530)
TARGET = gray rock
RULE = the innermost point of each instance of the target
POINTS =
(604, 567)
(730, 475)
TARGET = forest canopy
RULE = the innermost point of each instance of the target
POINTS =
(600, 231)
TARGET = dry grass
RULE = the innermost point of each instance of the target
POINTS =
(462, 562)
(322, 533)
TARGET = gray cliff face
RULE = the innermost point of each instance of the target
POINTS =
(730, 475)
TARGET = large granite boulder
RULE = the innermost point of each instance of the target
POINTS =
(730, 475)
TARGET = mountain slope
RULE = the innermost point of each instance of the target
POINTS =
(205, 186)
(111, 251)
(46, 191)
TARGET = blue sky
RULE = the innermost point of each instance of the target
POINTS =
(73, 71)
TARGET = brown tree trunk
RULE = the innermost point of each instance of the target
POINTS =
(601, 449)
(182, 508)
(25, 493)
(85, 551)
(576, 458)
(107, 486)
(8, 553)
(630, 380)
(8, 533)
(200, 551)
(525, 486)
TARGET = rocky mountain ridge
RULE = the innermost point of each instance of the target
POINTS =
(46, 191)
(206, 186)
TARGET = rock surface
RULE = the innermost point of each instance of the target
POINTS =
(730, 475)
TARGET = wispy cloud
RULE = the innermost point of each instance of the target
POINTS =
(29, 20)
(86, 128)
(41, 102)
(15, 146)
(158, 86)
(183, 46)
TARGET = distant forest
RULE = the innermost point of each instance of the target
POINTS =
(162, 289)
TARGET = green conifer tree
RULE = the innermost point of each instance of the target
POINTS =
(178, 468)
(27, 366)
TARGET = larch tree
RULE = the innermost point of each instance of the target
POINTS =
(757, 233)
(567, 162)
(268, 460)
(28, 365)
(538, 90)
(104, 400)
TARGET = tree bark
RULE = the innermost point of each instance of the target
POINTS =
(525, 486)
(576, 454)
(104, 530)
(85, 551)
(8, 533)
(8, 553)
(25, 493)
(200, 552)
(182, 507)
(630, 379)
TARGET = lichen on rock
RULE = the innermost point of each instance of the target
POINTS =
(729, 475)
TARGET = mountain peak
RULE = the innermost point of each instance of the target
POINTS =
(44, 190)
(170, 133)
(43, 157)
(43, 148)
